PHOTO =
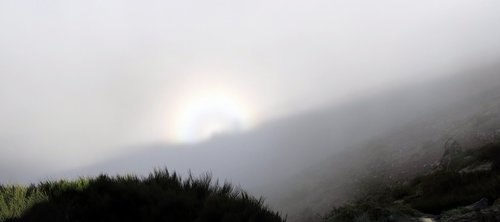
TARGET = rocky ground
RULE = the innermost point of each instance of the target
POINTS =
(462, 187)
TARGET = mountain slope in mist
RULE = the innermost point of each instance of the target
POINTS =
(400, 154)
(317, 153)
(463, 187)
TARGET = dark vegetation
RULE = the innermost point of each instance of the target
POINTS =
(374, 207)
(450, 188)
(433, 193)
(159, 197)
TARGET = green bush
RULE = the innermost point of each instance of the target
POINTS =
(159, 197)
(14, 200)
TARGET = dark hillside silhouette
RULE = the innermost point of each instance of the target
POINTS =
(159, 197)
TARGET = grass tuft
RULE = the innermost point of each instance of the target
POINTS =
(161, 196)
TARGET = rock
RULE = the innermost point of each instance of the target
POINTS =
(490, 214)
(479, 205)
(451, 150)
(482, 167)
(478, 211)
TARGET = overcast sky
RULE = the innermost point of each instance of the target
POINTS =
(83, 80)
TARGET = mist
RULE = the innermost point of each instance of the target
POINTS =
(90, 87)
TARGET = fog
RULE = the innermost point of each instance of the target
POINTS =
(93, 86)
(316, 159)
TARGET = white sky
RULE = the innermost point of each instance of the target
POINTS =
(81, 80)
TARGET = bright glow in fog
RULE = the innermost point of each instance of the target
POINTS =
(84, 81)
(208, 114)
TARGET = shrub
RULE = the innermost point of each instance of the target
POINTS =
(159, 197)
(14, 200)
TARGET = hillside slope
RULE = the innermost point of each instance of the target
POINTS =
(280, 149)
(463, 187)
(401, 153)
(315, 159)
